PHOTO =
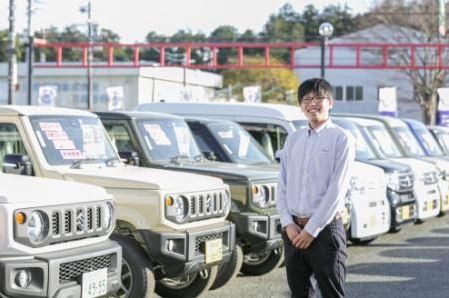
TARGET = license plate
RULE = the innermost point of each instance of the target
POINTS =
(430, 205)
(405, 212)
(95, 283)
(214, 251)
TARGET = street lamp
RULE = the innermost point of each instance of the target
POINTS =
(326, 30)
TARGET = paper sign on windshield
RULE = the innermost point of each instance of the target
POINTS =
(183, 138)
(56, 135)
(225, 134)
(71, 154)
(63, 144)
(50, 126)
(157, 134)
(244, 144)
(93, 140)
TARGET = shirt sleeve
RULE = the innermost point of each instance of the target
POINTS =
(338, 186)
(281, 203)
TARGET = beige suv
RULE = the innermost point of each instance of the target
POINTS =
(170, 224)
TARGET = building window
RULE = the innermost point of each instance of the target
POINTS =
(349, 93)
(338, 93)
(358, 93)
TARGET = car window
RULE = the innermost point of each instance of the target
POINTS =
(120, 137)
(270, 136)
(408, 142)
(429, 142)
(383, 142)
(10, 141)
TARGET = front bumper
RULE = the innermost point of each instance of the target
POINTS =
(403, 208)
(177, 254)
(59, 274)
(258, 232)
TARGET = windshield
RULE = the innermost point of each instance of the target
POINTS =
(166, 139)
(239, 144)
(443, 139)
(363, 150)
(383, 142)
(429, 142)
(64, 139)
(408, 142)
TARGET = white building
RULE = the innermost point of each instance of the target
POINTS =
(140, 85)
(356, 90)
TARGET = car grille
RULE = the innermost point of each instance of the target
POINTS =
(406, 181)
(72, 271)
(77, 222)
(430, 178)
(200, 241)
(207, 204)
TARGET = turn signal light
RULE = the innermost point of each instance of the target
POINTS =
(20, 218)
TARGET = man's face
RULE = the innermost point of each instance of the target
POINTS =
(316, 107)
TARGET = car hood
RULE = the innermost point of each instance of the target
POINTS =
(389, 165)
(45, 192)
(441, 164)
(130, 177)
(368, 173)
(417, 165)
(229, 171)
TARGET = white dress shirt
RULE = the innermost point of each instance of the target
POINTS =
(314, 175)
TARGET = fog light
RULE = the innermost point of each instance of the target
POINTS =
(23, 278)
(176, 246)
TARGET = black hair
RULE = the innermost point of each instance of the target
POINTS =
(320, 86)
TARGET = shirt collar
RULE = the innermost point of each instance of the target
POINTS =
(320, 128)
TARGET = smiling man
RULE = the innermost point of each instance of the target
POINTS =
(313, 182)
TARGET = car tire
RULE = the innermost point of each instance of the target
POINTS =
(197, 284)
(228, 271)
(264, 263)
(137, 279)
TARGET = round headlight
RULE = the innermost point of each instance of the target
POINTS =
(180, 205)
(37, 226)
(108, 215)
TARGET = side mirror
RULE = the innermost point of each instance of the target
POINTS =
(209, 155)
(18, 164)
(130, 158)
(277, 155)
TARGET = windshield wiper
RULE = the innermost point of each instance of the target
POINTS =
(177, 158)
(77, 163)
(110, 162)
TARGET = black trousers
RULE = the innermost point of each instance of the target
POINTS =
(325, 259)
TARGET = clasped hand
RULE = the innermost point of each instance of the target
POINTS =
(300, 239)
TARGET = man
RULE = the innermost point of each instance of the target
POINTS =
(313, 182)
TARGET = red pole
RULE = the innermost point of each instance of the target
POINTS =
(214, 57)
(136, 56)
(162, 56)
(240, 55)
(110, 56)
(58, 56)
(385, 55)
(331, 55)
(292, 57)
(267, 56)
(412, 56)
(357, 56)
(84, 57)
(188, 55)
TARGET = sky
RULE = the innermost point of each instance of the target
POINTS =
(133, 19)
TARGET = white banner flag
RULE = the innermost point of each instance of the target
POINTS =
(47, 95)
(115, 98)
(387, 101)
(252, 94)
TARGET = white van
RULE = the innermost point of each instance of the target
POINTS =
(426, 174)
(270, 124)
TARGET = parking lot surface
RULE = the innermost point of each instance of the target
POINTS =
(411, 263)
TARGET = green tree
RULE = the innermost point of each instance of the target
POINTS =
(277, 84)
(224, 33)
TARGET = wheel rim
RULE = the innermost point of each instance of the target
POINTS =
(254, 259)
(184, 282)
(127, 280)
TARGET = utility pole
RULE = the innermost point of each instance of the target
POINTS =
(30, 53)
(12, 59)
(89, 57)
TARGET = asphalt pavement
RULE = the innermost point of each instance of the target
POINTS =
(411, 263)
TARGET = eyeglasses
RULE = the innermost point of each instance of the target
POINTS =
(318, 99)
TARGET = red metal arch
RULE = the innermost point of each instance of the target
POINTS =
(333, 61)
